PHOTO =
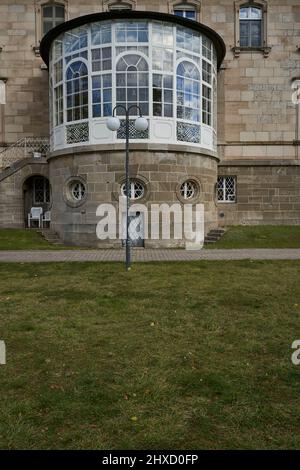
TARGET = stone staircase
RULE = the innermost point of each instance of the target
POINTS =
(51, 236)
(214, 235)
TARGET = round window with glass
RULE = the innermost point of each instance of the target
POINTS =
(77, 190)
(189, 189)
(136, 190)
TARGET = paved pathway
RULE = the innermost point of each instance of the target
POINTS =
(148, 255)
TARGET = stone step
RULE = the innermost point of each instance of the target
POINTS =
(214, 235)
(217, 232)
(51, 236)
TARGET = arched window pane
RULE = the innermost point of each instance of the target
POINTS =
(188, 92)
(132, 83)
(77, 91)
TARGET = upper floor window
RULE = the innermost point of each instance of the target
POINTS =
(120, 6)
(186, 11)
(53, 14)
(250, 26)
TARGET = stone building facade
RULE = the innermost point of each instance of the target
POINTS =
(251, 177)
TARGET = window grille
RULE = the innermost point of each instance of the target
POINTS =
(77, 133)
(136, 190)
(226, 189)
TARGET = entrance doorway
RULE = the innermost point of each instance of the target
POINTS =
(36, 193)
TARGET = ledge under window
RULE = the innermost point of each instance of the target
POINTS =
(239, 50)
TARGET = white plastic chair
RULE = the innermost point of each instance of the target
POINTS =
(46, 217)
(35, 214)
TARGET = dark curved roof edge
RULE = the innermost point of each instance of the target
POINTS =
(131, 14)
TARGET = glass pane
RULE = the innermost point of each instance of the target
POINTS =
(59, 12)
(47, 25)
(245, 13)
(48, 12)
(256, 13)
(157, 109)
(191, 15)
(178, 12)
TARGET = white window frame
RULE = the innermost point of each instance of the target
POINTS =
(226, 199)
(180, 51)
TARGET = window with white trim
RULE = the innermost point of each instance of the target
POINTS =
(77, 91)
(226, 189)
(188, 92)
(132, 84)
(77, 190)
(53, 14)
(189, 189)
(136, 189)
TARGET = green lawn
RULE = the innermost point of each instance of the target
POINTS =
(26, 239)
(264, 236)
(167, 356)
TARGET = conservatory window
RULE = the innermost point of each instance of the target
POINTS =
(206, 105)
(75, 40)
(188, 40)
(52, 15)
(101, 59)
(188, 92)
(102, 95)
(130, 31)
(77, 91)
(250, 26)
(132, 83)
(101, 33)
(59, 105)
(162, 95)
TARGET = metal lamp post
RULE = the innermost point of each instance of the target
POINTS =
(141, 124)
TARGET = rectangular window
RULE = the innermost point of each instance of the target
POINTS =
(189, 14)
(206, 48)
(188, 40)
(206, 71)
(162, 95)
(136, 31)
(59, 105)
(102, 95)
(101, 59)
(206, 105)
(101, 33)
(226, 189)
(250, 27)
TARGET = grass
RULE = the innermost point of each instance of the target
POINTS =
(260, 236)
(26, 239)
(167, 356)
